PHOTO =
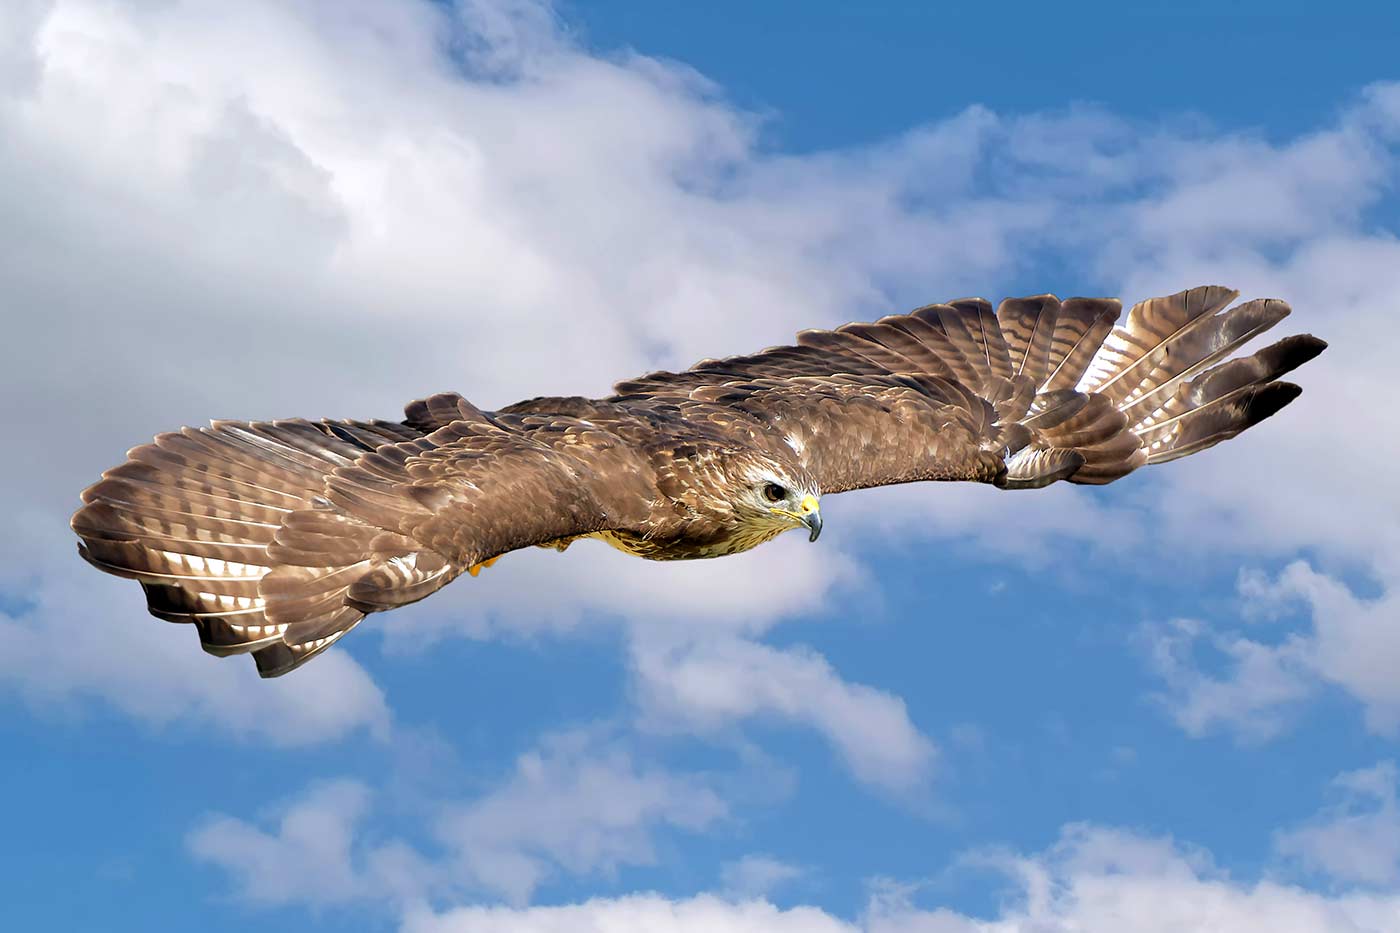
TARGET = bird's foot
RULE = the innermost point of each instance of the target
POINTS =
(477, 568)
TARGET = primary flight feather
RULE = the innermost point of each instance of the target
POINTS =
(277, 537)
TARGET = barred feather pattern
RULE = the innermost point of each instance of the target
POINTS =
(1095, 399)
(1148, 391)
(276, 538)
(202, 517)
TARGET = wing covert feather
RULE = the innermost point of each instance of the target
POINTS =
(479, 487)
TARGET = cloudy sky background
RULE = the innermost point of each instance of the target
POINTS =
(1152, 706)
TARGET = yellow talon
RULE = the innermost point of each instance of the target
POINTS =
(477, 568)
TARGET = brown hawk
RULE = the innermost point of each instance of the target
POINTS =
(277, 537)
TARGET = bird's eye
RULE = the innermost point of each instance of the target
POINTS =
(773, 492)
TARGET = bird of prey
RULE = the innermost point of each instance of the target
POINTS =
(276, 537)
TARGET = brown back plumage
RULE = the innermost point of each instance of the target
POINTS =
(276, 538)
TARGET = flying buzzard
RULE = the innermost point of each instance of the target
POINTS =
(277, 537)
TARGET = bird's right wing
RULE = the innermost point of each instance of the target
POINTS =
(404, 519)
(480, 486)
(276, 538)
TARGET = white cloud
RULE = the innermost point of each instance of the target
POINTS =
(1102, 880)
(1357, 839)
(1261, 685)
(354, 221)
(571, 806)
(692, 665)
(1094, 880)
(650, 912)
(1348, 641)
(707, 684)
(1354, 642)
(579, 805)
(307, 858)
(393, 198)
(1033, 530)
(756, 875)
(317, 853)
(402, 197)
(73, 645)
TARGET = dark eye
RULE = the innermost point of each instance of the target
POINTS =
(773, 492)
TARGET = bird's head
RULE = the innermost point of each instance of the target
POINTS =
(772, 497)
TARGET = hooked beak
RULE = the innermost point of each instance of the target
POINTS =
(811, 516)
(808, 514)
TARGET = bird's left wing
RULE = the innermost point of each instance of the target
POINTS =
(855, 431)
(1036, 391)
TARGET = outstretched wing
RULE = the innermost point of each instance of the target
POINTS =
(276, 538)
(482, 485)
(1040, 390)
(852, 432)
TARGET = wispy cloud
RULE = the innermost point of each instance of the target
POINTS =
(756, 875)
(1348, 642)
(573, 805)
(1260, 686)
(579, 805)
(307, 857)
(1356, 839)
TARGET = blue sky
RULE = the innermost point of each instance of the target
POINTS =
(1171, 700)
